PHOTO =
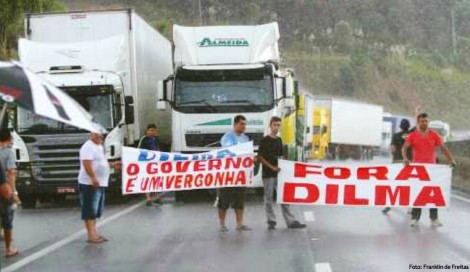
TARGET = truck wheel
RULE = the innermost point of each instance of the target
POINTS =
(28, 201)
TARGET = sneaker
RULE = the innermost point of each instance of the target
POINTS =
(386, 210)
(297, 225)
(413, 223)
(148, 203)
(436, 223)
(223, 229)
(244, 228)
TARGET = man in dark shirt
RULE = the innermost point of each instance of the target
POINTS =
(151, 142)
(398, 140)
(270, 150)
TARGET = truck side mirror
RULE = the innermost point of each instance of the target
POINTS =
(129, 110)
(168, 87)
(129, 100)
(164, 92)
(279, 87)
(288, 87)
(161, 103)
(160, 90)
(288, 90)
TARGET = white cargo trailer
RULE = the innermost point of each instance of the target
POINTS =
(356, 123)
(352, 126)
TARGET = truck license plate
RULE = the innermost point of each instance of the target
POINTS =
(63, 190)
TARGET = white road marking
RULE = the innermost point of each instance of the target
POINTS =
(309, 217)
(323, 267)
(47, 250)
(461, 198)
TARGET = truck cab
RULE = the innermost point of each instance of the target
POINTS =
(321, 130)
(47, 151)
(221, 72)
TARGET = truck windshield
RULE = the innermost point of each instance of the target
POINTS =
(97, 100)
(224, 91)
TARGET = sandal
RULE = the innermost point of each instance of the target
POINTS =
(104, 238)
(95, 241)
(15, 252)
(223, 229)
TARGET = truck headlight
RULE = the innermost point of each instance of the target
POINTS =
(24, 173)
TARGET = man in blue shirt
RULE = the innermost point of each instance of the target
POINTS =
(233, 196)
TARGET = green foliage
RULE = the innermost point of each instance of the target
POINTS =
(343, 37)
(163, 26)
(346, 83)
(11, 21)
(359, 57)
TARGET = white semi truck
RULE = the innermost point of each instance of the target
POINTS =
(442, 128)
(110, 62)
(220, 72)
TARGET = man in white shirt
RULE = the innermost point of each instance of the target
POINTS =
(92, 181)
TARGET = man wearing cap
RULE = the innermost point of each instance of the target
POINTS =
(398, 140)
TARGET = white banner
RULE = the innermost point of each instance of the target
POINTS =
(352, 184)
(147, 171)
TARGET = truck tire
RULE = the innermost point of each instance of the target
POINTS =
(28, 201)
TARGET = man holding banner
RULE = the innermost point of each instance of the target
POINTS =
(424, 142)
(233, 197)
(151, 142)
(270, 150)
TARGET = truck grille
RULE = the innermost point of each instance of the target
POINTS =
(55, 158)
(213, 139)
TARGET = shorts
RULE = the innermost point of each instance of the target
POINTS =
(6, 215)
(91, 201)
(231, 197)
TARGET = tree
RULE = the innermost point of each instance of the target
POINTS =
(11, 15)
(343, 37)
